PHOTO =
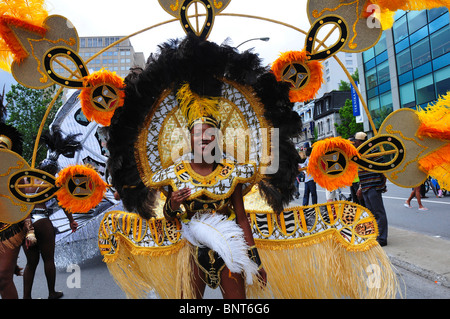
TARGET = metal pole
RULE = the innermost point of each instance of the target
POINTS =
(265, 39)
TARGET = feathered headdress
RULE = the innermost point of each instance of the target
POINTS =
(58, 145)
(198, 109)
(195, 74)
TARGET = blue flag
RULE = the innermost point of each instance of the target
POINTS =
(355, 101)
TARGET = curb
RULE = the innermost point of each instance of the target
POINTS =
(420, 254)
(422, 272)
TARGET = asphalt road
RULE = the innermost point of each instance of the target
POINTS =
(434, 222)
(95, 282)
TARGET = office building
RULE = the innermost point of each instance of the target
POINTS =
(409, 66)
(119, 58)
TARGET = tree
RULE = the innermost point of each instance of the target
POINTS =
(26, 108)
(345, 86)
(348, 126)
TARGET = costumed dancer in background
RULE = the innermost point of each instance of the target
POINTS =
(12, 235)
(43, 227)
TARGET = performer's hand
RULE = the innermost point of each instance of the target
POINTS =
(359, 194)
(18, 271)
(262, 276)
(73, 226)
(178, 197)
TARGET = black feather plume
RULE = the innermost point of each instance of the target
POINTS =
(203, 64)
(58, 145)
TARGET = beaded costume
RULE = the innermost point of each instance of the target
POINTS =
(318, 251)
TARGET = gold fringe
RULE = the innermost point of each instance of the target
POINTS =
(327, 270)
(13, 242)
(324, 269)
(138, 271)
(327, 235)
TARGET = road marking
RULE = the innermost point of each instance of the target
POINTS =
(423, 200)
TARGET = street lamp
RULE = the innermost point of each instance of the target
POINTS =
(265, 39)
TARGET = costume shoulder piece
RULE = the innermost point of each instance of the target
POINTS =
(219, 184)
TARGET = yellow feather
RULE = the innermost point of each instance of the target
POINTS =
(194, 106)
(435, 119)
(29, 11)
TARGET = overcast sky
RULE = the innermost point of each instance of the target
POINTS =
(125, 17)
(119, 17)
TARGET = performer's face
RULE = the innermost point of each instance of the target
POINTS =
(202, 138)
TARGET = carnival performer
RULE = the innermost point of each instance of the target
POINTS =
(203, 187)
(12, 235)
(222, 212)
(42, 225)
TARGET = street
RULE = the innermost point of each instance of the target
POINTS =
(95, 282)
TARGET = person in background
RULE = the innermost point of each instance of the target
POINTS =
(415, 193)
(355, 185)
(11, 235)
(372, 186)
(310, 184)
(43, 227)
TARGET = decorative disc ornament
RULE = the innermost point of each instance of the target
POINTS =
(179, 9)
(303, 69)
(80, 188)
(101, 96)
(362, 32)
(40, 50)
(330, 163)
(12, 210)
(304, 75)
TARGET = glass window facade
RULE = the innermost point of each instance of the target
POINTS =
(422, 45)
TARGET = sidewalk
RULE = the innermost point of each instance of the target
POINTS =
(426, 256)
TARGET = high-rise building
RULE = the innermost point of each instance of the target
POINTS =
(409, 66)
(322, 113)
(119, 58)
(333, 73)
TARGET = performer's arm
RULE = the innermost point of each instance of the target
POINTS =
(241, 218)
(174, 200)
(72, 222)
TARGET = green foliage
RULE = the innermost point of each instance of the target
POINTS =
(344, 86)
(26, 108)
(315, 135)
(348, 126)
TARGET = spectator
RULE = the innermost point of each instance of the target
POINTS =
(371, 187)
